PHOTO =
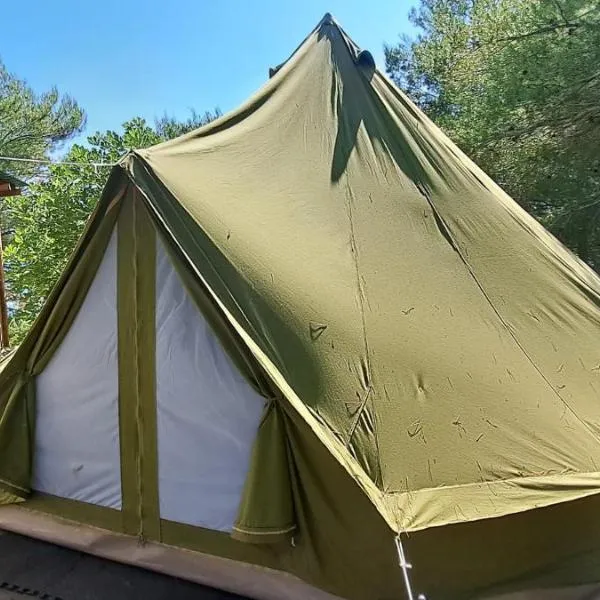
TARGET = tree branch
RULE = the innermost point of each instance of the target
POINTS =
(540, 31)
(561, 12)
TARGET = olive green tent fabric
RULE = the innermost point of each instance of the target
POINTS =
(268, 515)
(430, 354)
(438, 340)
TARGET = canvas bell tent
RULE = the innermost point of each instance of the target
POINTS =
(300, 331)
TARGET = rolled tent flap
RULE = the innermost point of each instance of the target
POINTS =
(266, 514)
(16, 441)
(17, 377)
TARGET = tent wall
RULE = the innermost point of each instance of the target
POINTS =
(76, 453)
(233, 576)
(139, 407)
(337, 524)
(175, 344)
(221, 573)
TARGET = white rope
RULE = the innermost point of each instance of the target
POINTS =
(406, 566)
(58, 162)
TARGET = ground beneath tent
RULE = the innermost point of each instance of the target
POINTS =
(28, 566)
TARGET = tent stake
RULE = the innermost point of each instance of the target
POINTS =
(405, 566)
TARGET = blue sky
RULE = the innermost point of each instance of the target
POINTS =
(126, 58)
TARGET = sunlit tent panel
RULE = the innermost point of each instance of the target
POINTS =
(333, 330)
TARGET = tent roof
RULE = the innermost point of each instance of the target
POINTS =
(440, 342)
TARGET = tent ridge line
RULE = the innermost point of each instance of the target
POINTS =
(447, 232)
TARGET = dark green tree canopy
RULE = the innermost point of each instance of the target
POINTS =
(516, 83)
(32, 125)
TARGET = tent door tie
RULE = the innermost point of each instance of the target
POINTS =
(406, 566)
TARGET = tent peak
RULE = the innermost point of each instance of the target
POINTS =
(327, 19)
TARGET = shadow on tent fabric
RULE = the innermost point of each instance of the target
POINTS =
(355, 101)
(261, 317)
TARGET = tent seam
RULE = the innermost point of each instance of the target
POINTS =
(492, 483)
(136, 348)
(448, 234)
(361, 297)
(361, 291)
(14, 485)
(269, 532)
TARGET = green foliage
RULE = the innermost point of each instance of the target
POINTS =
(32, 125)
(48, 220)
(168, 127)
(516, 83)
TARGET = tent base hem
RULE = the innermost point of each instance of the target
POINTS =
(252, 581)
(248, 580)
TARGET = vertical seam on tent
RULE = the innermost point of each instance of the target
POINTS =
(145, 372)
(354, 246)
(137, 373)
(136, 378)
(446, 232)
(361, 297)
(146, 307)
(368, 372)
(361, 291)
(127, 364)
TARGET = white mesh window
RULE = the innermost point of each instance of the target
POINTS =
(77, 452)
(207, 413)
